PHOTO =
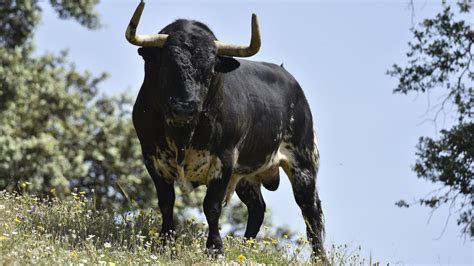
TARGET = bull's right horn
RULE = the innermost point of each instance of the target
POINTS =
(242, 50)
(152, 40)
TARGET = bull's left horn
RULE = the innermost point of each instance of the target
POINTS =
(156, 40)
(242, 50)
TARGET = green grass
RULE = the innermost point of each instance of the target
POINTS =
(63, 232)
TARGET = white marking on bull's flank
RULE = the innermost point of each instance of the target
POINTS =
(200, 166)
(235, 157)
(316, 144)
(315, 152)
(231, 188)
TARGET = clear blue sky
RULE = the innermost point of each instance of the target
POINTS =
(339, 52)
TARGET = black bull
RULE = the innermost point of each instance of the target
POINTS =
(207, 119)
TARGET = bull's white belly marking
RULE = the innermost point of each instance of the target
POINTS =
(272, 163)
(198, 166)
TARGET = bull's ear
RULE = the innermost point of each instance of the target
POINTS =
(226, 64)
(143, 53)
(148, 54)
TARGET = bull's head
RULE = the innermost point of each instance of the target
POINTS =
(181, 63)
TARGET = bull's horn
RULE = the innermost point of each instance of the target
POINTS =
(156, 40)
(241, 50)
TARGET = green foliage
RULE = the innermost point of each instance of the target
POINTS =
(441, 57)
(82, 11)
(449, 159)
(18, 18)
(57, 132)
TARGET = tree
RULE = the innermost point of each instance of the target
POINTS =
(20, 17)
(56, 131)
(440, 57)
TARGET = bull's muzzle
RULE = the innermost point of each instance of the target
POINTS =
(181, 113)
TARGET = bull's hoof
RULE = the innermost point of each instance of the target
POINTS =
(167, 237)
(215, 253)
(319, 258)
(215, 248)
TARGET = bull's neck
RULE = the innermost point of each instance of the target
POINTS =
(214, 93)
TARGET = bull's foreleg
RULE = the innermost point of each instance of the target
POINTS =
(216, 190)
(251, 196)
(166, 198)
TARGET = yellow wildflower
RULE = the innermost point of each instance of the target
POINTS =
(17, 220)
(241, 258)
(2, 238)
(73, 254)
(285, 236)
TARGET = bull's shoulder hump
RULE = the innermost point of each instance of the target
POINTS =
(249, 65)
(263, 73)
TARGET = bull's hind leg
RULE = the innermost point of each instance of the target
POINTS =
(251, 195)
(302, 172)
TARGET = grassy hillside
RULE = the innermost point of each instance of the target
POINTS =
(63, 232)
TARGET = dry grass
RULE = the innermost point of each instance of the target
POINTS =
(63, 232)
